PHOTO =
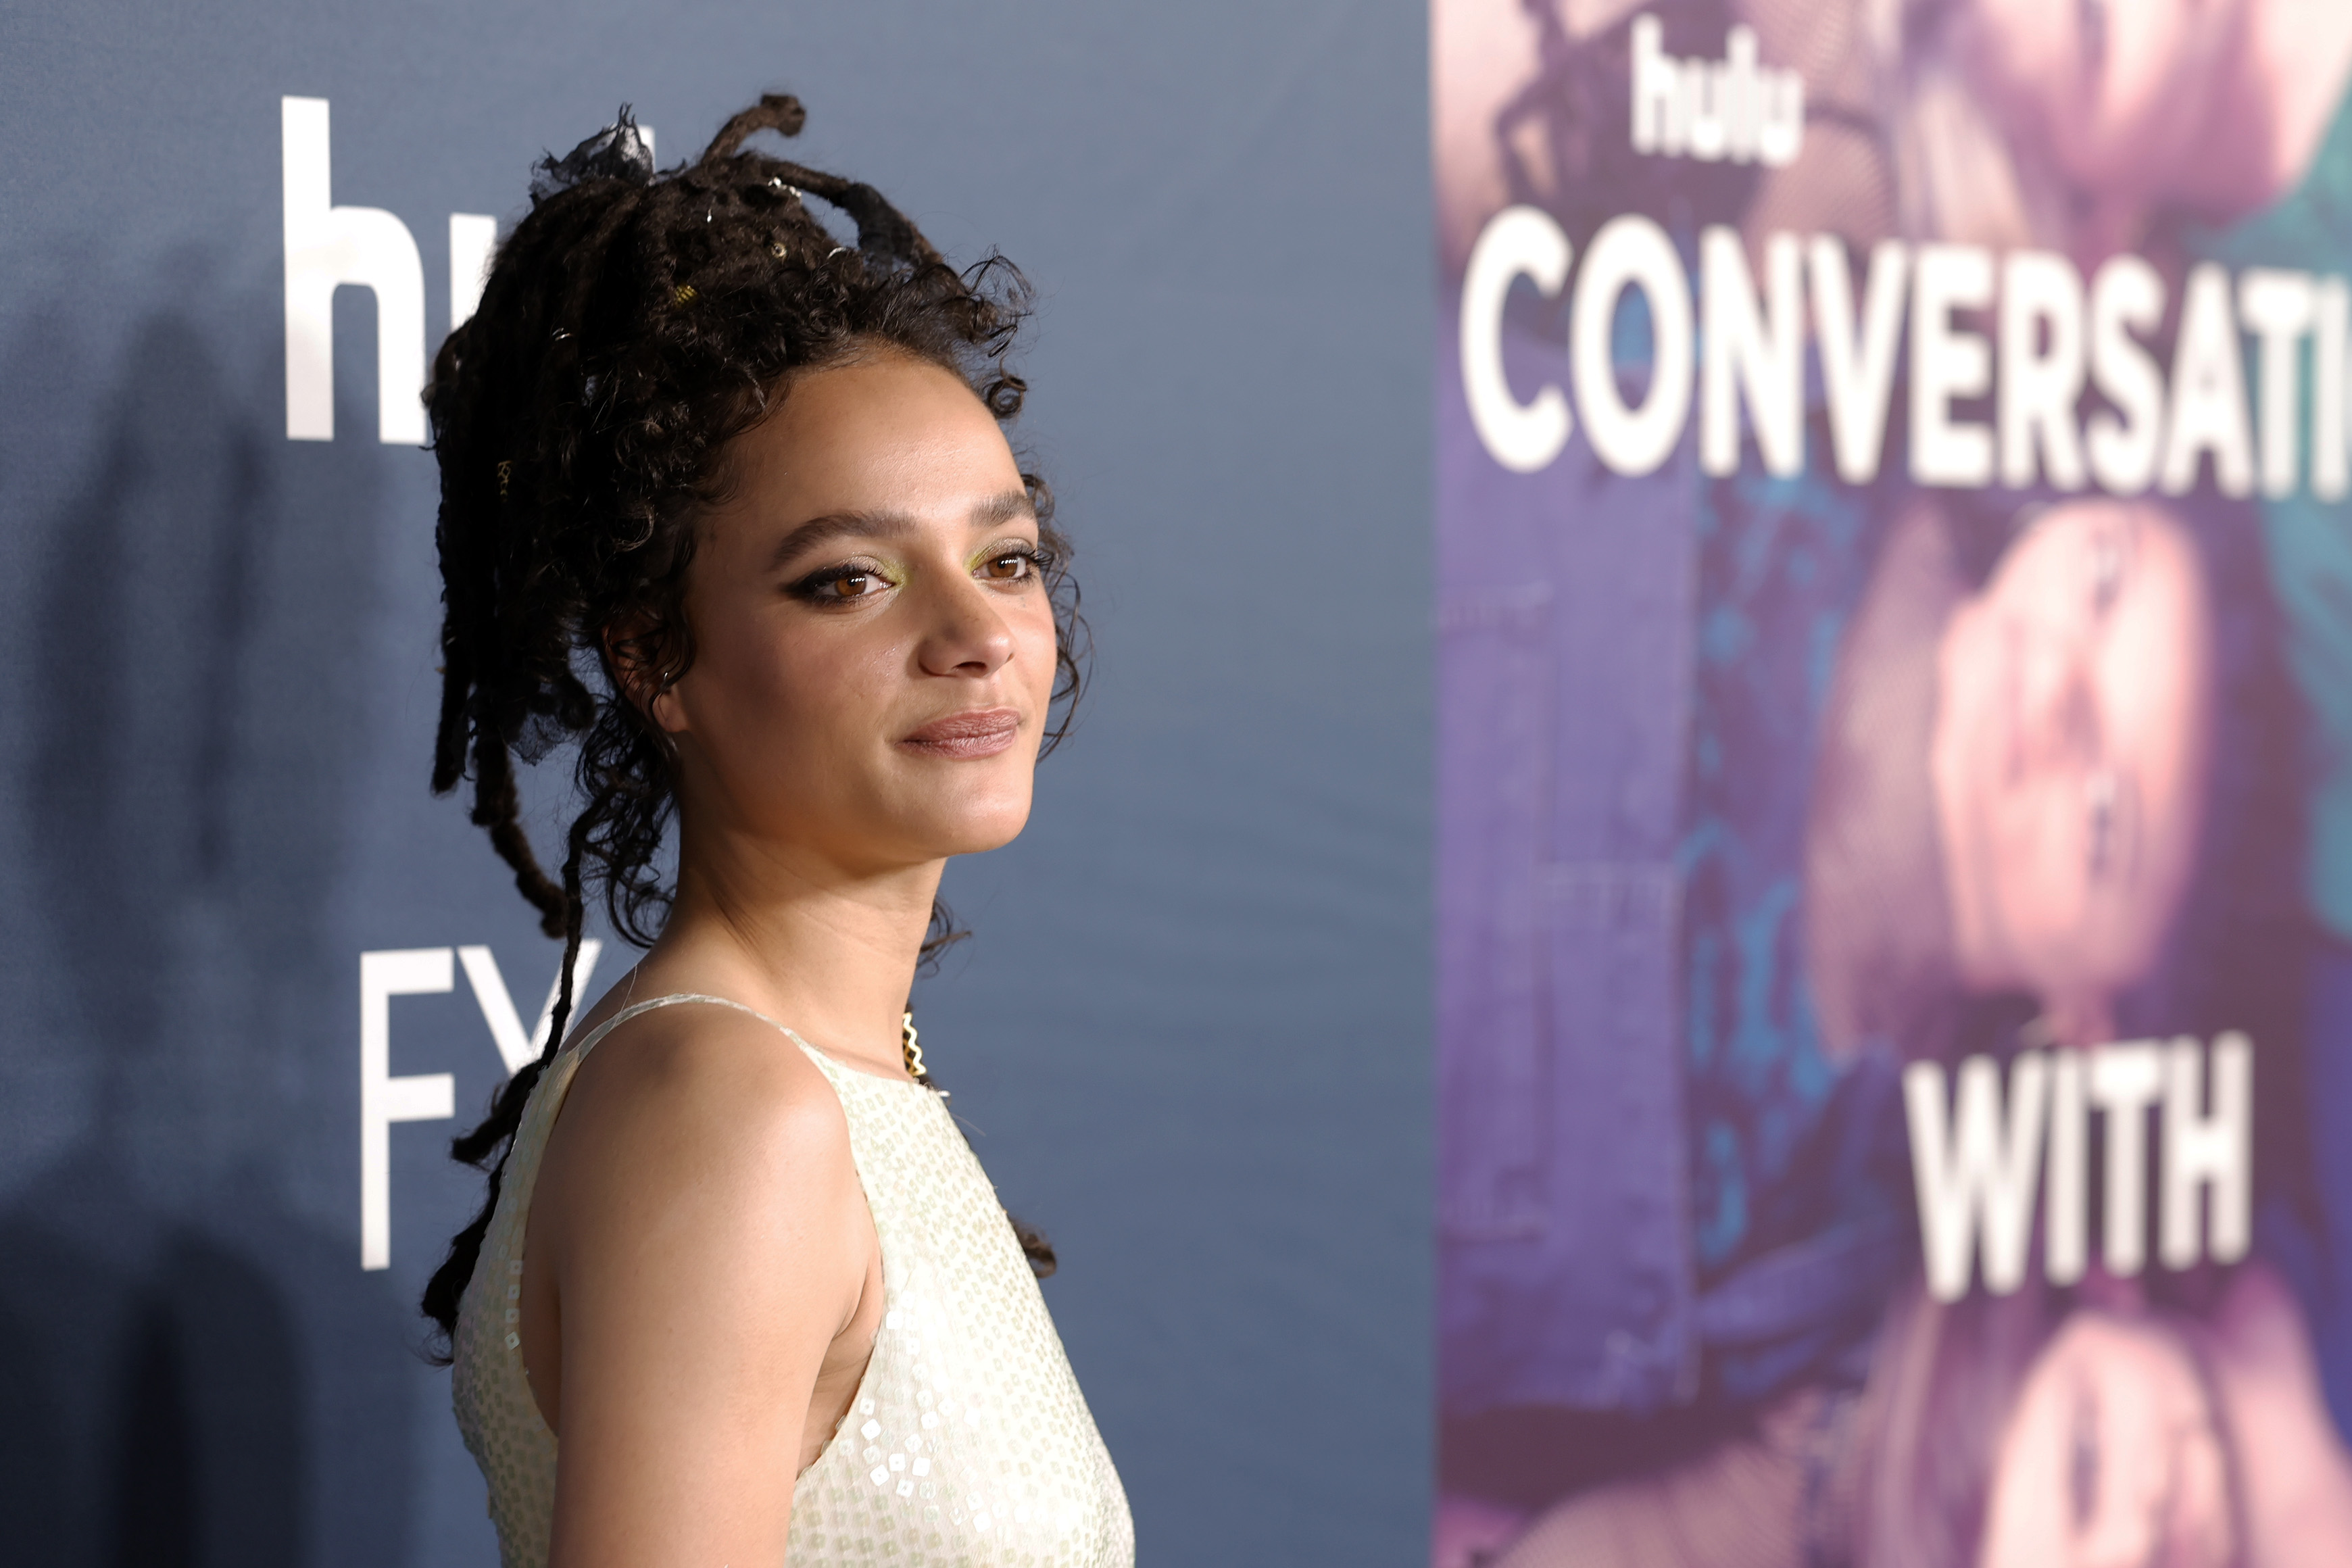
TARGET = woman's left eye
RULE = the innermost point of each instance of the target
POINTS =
(1012, 566)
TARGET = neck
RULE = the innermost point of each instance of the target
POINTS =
(828, 950)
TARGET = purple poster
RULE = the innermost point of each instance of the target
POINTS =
(1896, 782)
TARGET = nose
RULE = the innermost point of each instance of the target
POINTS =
(966, 636)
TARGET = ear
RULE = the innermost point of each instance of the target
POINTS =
(648, 661)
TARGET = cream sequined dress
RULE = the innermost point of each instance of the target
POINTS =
(967, 1442)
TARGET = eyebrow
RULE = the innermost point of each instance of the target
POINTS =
(994, 512)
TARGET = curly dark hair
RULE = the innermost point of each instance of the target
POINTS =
(634, 325)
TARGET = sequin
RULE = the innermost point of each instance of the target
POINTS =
(961, 1310)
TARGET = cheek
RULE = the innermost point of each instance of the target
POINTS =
(2039, 856)
(2029, 1515)
(775, 695)
(2201, 1531)
(2123, 119)
(2146, 39)
(754, 673)
(2165, 1480)
(1965, 742)
(2000, 816)
(1035, 648)
(2030, 44)
(2037, 50)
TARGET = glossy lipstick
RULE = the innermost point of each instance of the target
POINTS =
(968, 736)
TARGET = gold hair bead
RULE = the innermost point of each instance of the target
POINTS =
(506, 473)
(685, 292)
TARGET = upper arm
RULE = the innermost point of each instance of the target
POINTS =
(707, 1240)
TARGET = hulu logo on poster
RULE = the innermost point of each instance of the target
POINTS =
(1735, 109)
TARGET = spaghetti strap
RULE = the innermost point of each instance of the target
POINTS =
(832, 1068)
(588, 1042)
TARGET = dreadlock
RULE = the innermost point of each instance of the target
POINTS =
(634, 325)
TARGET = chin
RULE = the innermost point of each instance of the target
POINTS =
(981, 838)
(968, 831)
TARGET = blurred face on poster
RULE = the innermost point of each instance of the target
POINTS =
(2115, 1455)
(2211, 107)
(2119, 87)
(2068, 757)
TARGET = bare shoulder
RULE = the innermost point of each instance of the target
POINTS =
(703, 1099)
(695, 1245)
(690, 1057)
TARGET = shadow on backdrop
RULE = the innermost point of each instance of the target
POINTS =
(197, 1373)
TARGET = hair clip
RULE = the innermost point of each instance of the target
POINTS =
(616, 153)
(685, 292)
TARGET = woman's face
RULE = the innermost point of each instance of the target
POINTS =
(873, 645)
(2071, 729)
(2114, 1457)
(2106, 81)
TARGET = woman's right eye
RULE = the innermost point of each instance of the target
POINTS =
(840, 584)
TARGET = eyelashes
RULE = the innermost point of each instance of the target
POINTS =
(844, 584)
(848, 582)
(1027, 562)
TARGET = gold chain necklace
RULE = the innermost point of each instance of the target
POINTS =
(911, 1046)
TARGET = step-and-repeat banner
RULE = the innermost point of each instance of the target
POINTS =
(1894, 886)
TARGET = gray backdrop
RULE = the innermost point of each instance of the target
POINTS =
(1192, 1031)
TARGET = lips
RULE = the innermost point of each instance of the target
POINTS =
(967, 736)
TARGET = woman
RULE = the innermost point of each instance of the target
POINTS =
(730, 502)
(2173, 1421)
